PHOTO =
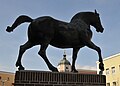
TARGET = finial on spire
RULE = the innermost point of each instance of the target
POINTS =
(64, 55)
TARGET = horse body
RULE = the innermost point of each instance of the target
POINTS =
(47, 30)
(57, 33)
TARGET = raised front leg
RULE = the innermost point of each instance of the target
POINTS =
(93, 46)
(75, 52)
(23, 48)
(42, 53)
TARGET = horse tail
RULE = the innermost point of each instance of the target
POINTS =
(21, 19)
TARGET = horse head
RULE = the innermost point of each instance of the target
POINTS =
(90, 18)
(95, 21)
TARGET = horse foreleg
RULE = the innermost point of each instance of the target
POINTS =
(74, 57)
(22, 49)
(42, 53)
(93, 46)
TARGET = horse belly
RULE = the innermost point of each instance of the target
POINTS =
(66, 40)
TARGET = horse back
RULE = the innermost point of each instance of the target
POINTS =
(57, 33)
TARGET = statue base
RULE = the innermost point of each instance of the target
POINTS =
(45, 78)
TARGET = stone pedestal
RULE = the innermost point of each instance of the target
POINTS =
(44, 78)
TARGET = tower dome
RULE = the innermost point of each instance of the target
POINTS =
(64, 65)
(64, 60)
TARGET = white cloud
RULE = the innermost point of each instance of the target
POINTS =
(8, 68)
(86, 67)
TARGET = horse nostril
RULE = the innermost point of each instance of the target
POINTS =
(102, 30)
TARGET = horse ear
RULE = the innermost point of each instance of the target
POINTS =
(95, 11)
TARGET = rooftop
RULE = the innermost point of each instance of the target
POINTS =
(112, 56)
(64, 60)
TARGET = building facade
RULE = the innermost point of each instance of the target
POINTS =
(6, 78)
(112, 70)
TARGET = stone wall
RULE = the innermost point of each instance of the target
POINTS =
(43, 78)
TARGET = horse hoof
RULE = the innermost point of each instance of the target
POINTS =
(100, 72)
(17, 64)
(54, 70)
(21, 68)
(101, 66)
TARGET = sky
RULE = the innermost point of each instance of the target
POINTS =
(108, 41)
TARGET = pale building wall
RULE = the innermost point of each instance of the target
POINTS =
(61, 68)
(112, 70)
(98, 67)
(64, 68)
(7, 78)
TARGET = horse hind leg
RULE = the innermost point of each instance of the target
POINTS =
(42, 53)
(22, 49)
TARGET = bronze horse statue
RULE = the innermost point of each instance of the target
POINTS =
(47, 30)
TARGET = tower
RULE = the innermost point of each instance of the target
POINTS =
(64, 65)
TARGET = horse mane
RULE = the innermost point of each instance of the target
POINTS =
(81, 15)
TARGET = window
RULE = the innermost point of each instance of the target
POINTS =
(8, 78)
(107, 71)
(114, 83)
(66, 67)
(113, 70)
(108, 84)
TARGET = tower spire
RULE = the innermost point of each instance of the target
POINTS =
(64, 55)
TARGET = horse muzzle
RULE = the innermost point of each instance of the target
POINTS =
(100, 30)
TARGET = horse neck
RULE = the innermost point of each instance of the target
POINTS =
(84, 16)
(79, 23)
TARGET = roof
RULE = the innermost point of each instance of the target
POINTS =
(64, 60)
(112, 56)
(4, 72)
(83, 71)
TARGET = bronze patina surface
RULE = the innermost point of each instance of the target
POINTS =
(46, 31)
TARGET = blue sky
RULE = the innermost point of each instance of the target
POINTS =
(108, 41)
